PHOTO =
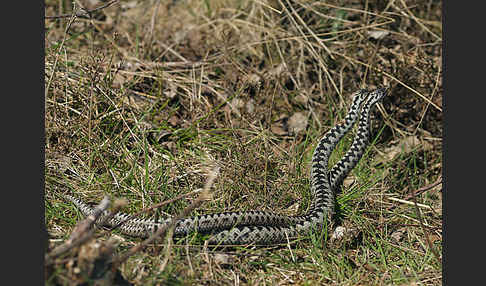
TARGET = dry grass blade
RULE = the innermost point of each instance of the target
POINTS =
(417, 192)
(203, 196)
(155, 206)
(419, 21)
(136, 99)
(424, 229)
(84, 12)
(389, 75)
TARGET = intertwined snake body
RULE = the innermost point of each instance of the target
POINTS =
(260, 227)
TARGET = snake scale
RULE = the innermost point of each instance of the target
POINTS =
(261, 227)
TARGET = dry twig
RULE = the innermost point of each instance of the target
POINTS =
(205, 195)
(426, 233)
(81, 233)
(84, 13)
(155, 207)
(423, 189)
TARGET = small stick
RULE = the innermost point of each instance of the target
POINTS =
(154, 207)
(205, 195)
(120, 259)
(410, 203)
(82, 14)
(426, 233)
(416, 193)
(81, 233)
(423, 189)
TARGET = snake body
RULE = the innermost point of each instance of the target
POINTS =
(260, 227)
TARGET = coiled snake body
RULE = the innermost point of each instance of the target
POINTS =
(260, 227)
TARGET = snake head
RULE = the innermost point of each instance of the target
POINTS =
(377, 94)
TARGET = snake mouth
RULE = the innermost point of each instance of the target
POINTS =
(382, 90)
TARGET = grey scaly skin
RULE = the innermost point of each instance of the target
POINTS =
(349, 161)
(263, 227)
(228, 220)
(322, 195)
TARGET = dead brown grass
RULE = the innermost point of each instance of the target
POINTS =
(142, 97)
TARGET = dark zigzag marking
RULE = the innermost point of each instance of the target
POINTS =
(315, 215)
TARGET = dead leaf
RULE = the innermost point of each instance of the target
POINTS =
(377, 34)
(121, 78)
(253, 79)
(338, 233)
(398, 234)
(278, 70)
(280, 127)
(222, 259)
(297, 123)
(348, 181)
(301, 99)
(236, 104)
(173, 121)
(250, 106)
(406, 145)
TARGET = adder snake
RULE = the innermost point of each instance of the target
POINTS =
(261, 227)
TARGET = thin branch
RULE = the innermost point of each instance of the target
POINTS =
(84, 13)
(415, 193)
(205, 195)
(423, 189)
(81, 233)
(155, 207)
(68, 26)
(426, 233)
(161, 231)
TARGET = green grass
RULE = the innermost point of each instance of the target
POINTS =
(129, 116)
